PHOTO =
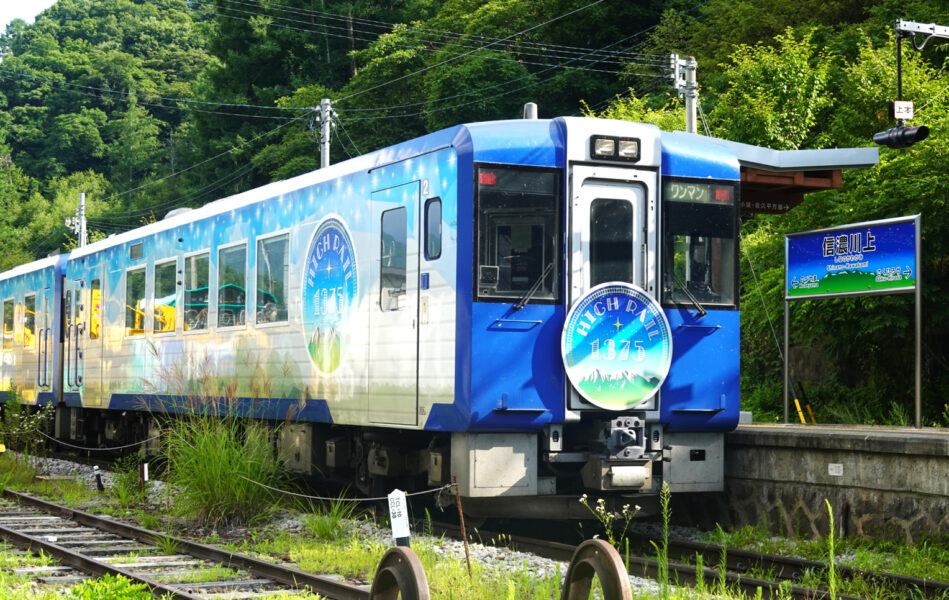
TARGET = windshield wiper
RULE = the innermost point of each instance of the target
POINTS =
(695, 302)
(533, 290)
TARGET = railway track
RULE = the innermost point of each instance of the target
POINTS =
(89, 545)
(782, 572)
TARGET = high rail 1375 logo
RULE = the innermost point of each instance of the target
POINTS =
(616, 346)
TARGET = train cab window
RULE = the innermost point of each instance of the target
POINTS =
(196, 286)
(95, 308)
(611, 241)
(165, 297)
(8, 323)
(433, 228)
(135, 302)
(519, 240)
(232, 286)
(699, 252)
(29, 320)
(272, 266)
(392, 259)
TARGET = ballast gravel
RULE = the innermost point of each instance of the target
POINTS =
(494, 558)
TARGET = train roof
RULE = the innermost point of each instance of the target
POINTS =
(493, 141)
(37, 265)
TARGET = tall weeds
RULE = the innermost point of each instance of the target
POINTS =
(220, 465)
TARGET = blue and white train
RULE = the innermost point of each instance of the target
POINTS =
(538, 308)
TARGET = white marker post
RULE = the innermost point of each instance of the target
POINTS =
(399, 517)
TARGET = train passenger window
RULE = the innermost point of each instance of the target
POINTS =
(232, 286)
(135, 301)
(29, 320)
(165, 297)
(95, 310)
(611, 241)
(8, 323)
(699, 243)
(196, 291)
(392, 259)
(433, 228)
(519, 234)
(272, 266)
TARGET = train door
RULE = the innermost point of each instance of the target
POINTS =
(613, 225)
(44, 337)
(90, 359)
(393, 321)
(8, 345)
(73, 330)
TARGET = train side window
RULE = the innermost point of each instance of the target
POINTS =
(611, 241)
(165, 297)
(700, 226)
(135, 302)
(232, 286)
(196, 286)
(29, 320)
(518, 218)
(393, 258)
(8, 323)
(433, 228)
(95, 308)
(272, 267)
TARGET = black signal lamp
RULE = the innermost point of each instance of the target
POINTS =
(901, 136)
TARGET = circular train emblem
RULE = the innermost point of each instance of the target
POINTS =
(330, 287)
(616, 346)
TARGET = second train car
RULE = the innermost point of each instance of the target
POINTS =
(540, 308)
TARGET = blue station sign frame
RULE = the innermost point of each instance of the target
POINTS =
(875, 257)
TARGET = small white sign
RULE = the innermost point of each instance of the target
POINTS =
(835, 470)
(398, 514)
(902, 109)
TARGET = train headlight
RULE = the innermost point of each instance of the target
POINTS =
(604, 147)
(629, 149)
(614, 148)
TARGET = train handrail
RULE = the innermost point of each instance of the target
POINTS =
(66, 366)
(39, 359)
(77, 376)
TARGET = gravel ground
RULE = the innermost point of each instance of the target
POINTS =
(494, 558)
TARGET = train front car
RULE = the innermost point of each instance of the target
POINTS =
(604, 324)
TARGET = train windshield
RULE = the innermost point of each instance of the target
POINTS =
(699, 235)
(518, 219)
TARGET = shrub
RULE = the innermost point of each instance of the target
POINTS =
(219, 467)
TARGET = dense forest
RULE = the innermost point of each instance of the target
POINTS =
(150, 105)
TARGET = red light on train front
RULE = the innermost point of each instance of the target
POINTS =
(487, 178)
(723, 195)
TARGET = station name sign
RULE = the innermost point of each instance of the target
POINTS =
(876, 257)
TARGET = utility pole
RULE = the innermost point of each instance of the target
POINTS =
(78, 222)
(326, 122)
(683, 77)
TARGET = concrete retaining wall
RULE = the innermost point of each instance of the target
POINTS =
(881, 483)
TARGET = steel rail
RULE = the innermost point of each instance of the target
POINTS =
(324, 586)
(86, 564)
(650, 568)
(786, 567)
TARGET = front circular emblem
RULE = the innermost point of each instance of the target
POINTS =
(330, 287)
(616, 346)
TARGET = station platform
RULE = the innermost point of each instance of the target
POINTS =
(881, 482)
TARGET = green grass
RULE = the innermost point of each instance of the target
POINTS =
(217, 466)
